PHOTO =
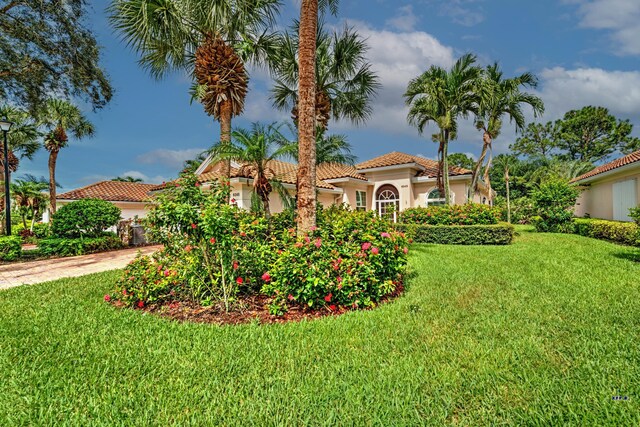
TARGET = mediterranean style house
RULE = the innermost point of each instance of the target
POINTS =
(387, 184)
(610, 189)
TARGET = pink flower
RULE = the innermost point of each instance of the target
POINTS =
(366, 246)
(239, 280)
(266, 277)
(318, 242)
(298, 245)
(385, 234)
(235, 265)
(374, 250)
(140, 304)
(188, 248)
(107, 298)
(307, 239)
(290, 297)
(197, 184)
(328, 297)
(339, 279)
(193, 226)
(212, 240)
(167, 273)
(332, 307)
(313, 228)
(405, 249)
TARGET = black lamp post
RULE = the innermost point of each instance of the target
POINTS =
(5, 125)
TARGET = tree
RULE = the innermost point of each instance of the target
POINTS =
(191, 165)
(345, 83)
(58, 118)
(255, 150)
(30, 198)
(306, 177)
(461, 160)
(22, 139)
(506, 163)
(592, 134)
(441, 97)
(46, 47)
(127, 179)
(537, 139)
(331, 149)
(212, 41)
(499, 97)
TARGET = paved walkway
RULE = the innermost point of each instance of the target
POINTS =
(27, 273)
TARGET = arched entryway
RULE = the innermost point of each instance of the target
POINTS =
(387, 201)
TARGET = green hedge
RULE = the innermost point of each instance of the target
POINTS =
(494, 234)
(10, 248)
(79, 246)
(627, 233)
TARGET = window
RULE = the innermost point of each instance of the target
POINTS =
(434, 198)
(388, 201)
(361, 200)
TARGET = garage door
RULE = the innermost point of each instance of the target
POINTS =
(624, 197)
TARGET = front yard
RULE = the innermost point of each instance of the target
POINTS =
(544, 331)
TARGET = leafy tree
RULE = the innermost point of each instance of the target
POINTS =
(255, 150)
(537, 140)
(499, 97)
(58, 118)
(557, 169)
(210, 40)
(30, 198)
(461, 160)
(440, 97)
(191, 165)
(22, 139)
(126, 179)
(46, 47)
(592, 134)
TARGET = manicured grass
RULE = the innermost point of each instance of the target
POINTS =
(542, 332)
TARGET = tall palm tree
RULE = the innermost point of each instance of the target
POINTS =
(59, 118)
(22, 140)
(499, 97)
(332, 148)
(306, 177)
(507, 163)
(254, 150)
(210, 40)
(441, 97)
(29, 197)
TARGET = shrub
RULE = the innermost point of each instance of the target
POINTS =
(634, 213)
(522, 209)
(626, 233)
(10, 248)
(60, 246)
(467, 214)
(85, 218)
(493, 234)
(147, 280)
(554, 202)
(41, 230)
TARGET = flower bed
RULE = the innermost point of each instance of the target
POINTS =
(493, 234)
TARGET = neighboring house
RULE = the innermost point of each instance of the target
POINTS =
(611, 189)
(388, 183)
(130, 197)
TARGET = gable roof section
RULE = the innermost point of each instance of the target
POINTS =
(429, 167)
(336, 170)
(112, 191)
(608, 167)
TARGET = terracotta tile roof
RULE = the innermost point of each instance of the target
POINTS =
(337, 170)
(395, 158)
(112, 191)
(622, 161)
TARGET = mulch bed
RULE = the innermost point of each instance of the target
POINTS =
(248, 309)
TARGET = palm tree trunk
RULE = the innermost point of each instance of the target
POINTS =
(486, 143)
(445, 168)
(225, 135)
(53, 158)
(506, 180)
(306, 177)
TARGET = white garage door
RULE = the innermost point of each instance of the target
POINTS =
(624, 197)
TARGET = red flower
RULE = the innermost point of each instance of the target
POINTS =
(374, 250)
(405, 249)
(167, 273)
(339, 279)
(239, 280)
(298, 245)
(197, 184)
(235, 265)
(291, 298)
(140, 304)
(243, 234)
(328, 297)
(212, 240)
(193, 226)
(318, 242)
(332, 307)
(266, 277)
(188, 248)
(233, 200)
(307, 239)
(366, 246)
(107, 298)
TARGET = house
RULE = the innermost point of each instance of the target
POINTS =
(130, 197)
(610, 189)
(388, 183)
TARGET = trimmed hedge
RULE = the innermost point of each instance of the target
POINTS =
(494, 234)
(79, 246)
(85, 218)
(627, 233)
(467, 214)
(10, 248)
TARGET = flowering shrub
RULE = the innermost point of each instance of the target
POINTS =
(467, 214)
(352, 259)
(146, 280)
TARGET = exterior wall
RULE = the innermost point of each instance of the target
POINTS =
(458, 188)
(241, 193)
(400, 179)
(349, 195)
(596, 200)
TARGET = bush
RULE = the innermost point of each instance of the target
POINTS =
(493, 234)
(467, 214)
(10, 248)
(634, 213)
(147, 280)
(626, 233)
(85, 218)
(60, 246)
(522, 209)
(554, 202)
(41, 230)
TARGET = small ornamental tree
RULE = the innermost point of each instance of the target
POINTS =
(85, 218)
(554, 202)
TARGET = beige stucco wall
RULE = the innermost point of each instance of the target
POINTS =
(399, 178)
(349, 196)
(596, 199)
(421, 189)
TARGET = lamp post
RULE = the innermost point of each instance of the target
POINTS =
(5, 125)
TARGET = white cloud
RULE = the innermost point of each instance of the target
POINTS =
(171, 158)
(404, 20)
(462, 12)
(621, 17)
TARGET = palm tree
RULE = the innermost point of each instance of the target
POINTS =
(58, 118)
(127, 179)
(191, 165)
(330, 148)
(507, 163)
(442, 96)
(29, 197)
(255, 150)
(212, 41)
(499, 97)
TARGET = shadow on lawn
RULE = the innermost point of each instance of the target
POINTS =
(630, 256)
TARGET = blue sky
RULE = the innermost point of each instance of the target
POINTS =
(585, 52)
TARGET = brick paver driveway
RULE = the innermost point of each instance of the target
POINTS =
(27, 273)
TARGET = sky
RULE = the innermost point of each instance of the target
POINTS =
(584, 52)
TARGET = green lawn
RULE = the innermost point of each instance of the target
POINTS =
(543, 332)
